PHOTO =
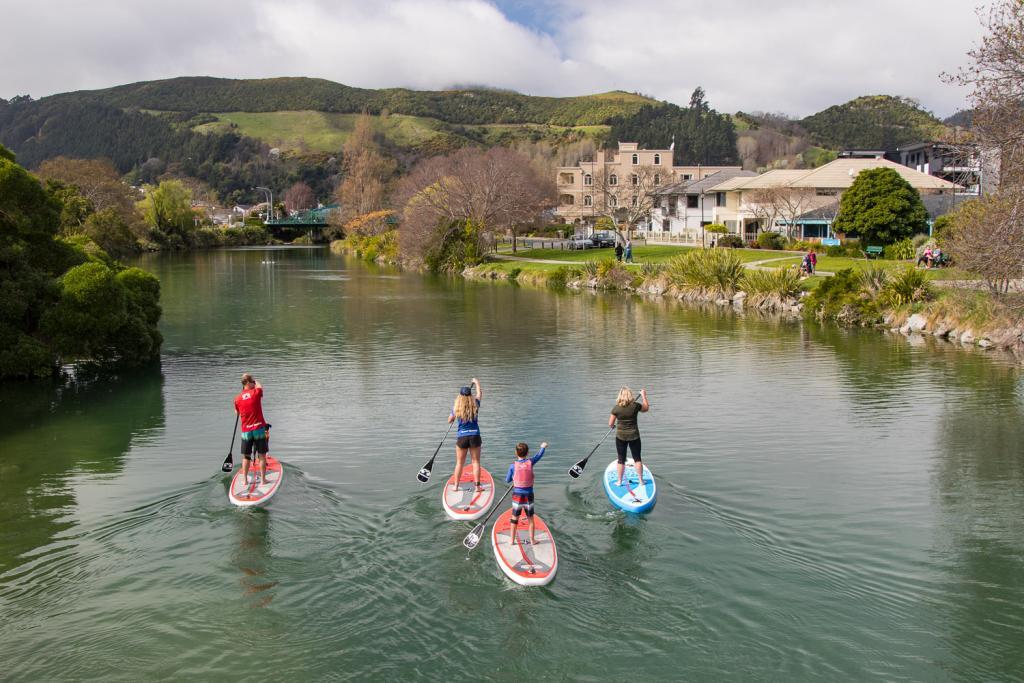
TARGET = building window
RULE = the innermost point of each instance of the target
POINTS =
(588, 179)
(657, 179)
(588, 200)
(636, 159)
(612, 201)
(633, 202)
(719, 199)
(613, 179)
(687, 176)
(691, 201)
(826, 193)
(567, 200)
(635, 179)
(657, 160)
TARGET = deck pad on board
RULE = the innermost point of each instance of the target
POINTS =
(465, 502)
(528, 564)
(251, 492)
(630, 497)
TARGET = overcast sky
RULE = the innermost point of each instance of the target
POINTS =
(790, 56)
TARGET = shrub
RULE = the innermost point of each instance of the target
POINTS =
(732, 241)
(716, 229)
(873, 279)
(711, 270)
(651, 270)
(771, 240)
(842, 299)
(559, 278)
(835, 251)
(613, 274)
(899, 251)
(590, 268)
(781, 282)
(908, 286)
(514, 273)
(921, 238)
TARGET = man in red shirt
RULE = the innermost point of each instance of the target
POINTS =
(255, 430)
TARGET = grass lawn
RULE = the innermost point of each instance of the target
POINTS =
(648, 254)
(834, 264)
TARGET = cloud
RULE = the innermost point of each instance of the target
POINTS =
(793, 56)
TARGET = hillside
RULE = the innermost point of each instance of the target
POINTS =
(872, 122)
(472, 106)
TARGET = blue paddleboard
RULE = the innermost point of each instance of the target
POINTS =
(630, 497)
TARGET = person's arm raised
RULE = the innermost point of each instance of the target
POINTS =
(644, 405)
(479, 389)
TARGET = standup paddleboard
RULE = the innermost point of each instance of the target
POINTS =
(251, 493)
(465, 502)
(528, 564)
(630, 497)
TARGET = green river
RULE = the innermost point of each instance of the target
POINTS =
(833, 505)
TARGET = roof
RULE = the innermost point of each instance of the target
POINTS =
(935, 204)
(704, 184)
(776, 178)
(840, 174)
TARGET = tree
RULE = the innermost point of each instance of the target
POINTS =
(168, 208)
(365, 173)
(779, 203)
(96, 180)
(881, 208)
(985, 236)
(453, 204)
(627, 201)
(299, 197)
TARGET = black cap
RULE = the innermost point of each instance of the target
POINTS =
(466, 391)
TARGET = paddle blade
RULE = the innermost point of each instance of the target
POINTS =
(228, 464)
(473, 538)
(424, 475)
(576, 470)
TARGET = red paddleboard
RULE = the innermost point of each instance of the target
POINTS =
(251, 493)
(465, 502)
(528, 564)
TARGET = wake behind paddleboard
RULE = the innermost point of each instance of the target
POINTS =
(630, 497)
(251, 493)
(466, 503)
(528, 564)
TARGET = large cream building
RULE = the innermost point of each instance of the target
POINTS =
(617, 177)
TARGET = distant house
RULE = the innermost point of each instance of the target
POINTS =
(684, 207)
(612, 178)
(960, 164)
(810, 197)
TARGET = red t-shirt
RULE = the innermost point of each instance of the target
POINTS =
(249, 405)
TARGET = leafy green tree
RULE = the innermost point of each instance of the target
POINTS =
(58, 303)
(168, 208)
(881, 208)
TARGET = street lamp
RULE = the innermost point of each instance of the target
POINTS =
(270, 202)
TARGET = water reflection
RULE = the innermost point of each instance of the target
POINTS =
(51, 432)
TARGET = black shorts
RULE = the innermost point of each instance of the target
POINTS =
(260, 445)
(473, 441)
(634, 449)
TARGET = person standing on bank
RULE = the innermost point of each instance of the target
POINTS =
(618, 251)
(255, 430)
(629, 251)
(465, 412)
(627, 435)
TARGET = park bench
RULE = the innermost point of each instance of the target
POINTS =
(873, 252)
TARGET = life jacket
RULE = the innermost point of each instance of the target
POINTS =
(522, 478)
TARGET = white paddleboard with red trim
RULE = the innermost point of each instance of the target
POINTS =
(528, 564)
(465, 502)
(251, 493)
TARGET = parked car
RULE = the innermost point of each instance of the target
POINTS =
(580, 242)
(604, 238)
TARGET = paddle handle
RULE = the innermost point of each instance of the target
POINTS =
(438, 449)
(594, 450)
(234, 432)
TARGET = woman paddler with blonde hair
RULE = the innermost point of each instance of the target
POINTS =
(627, 434)
(467, 434)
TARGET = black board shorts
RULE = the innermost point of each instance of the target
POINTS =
(634, 449)
(260, 445)
(473, 441)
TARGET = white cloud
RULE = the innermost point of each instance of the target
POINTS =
(794, 56)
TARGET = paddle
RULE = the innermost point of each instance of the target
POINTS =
(424, 473)
(229, 462)
(471, 540)
(576, 470)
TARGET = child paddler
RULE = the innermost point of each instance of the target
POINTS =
(520, 474)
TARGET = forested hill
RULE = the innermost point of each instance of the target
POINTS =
(473, 106)
(873, 122)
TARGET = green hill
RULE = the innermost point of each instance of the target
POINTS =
(872, 122)
(472, 106)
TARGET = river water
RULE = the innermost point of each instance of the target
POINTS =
(833, 504)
